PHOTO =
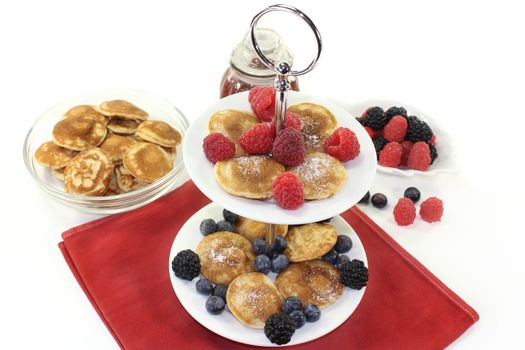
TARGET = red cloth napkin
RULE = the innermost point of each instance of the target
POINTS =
(121, 263)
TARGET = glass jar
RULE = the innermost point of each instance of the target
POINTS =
(246, 69)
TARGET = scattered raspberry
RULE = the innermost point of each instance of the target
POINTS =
(404, 212)
(370, 132)
(288, 147)
(217, 147)
(433, 139)
(419, 156)
(257, 140)
(407, 146)
(291, 121)
(342, 144)
(262, 100)
(431, 210)
(391, 154)
(288, 191)
(396, 129)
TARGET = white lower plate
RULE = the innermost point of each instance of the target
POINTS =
(225, 324)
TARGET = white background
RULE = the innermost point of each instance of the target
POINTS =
(460, 61)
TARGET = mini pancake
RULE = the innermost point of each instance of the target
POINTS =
(116, 146)
(123, 126)
(53, 156)
(317, 124)
(233, 123)
(147, 162)
(158, 132)
(252, 298)
(225, 256)
(84, 110)
(311, 241)
(122, 109)
(113, 186)
(250, 177)
(58, 173)
(125, 181)
(80, 132)
(321, 174)
(89, 173)
(313, 282)
(252, 229)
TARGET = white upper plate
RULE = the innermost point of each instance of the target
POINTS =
(361, 171)
(446, 161)
(225, 324)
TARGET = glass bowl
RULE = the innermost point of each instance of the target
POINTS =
(41, 131)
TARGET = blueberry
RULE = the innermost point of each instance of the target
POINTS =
(220, 291)
(379, 200)
(312, 313)
(292, 304)
(340, 260)
(215, 305)
(331, 257)
(413, 194)
(224, 225)
(230, 216)
(207, 226)
(343, 244)
(298, 318)
(279, 263)
(365, 198)
(263, 263)
(204, 286)
(258, 246)
(280, 244)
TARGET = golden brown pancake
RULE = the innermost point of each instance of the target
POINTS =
(158, 132)
(123, 126)
(59, 173)
(252, 298)
(116, 146)
(233, 123)
(313, 282)
(225, 256)
(311, 241)
(122, 109)
(84, 110)
(250, 177)
(125, 182)
(147, 162)
(81, 132)
(252, 229)
(53, 156)
(321, 174)
(89, 173)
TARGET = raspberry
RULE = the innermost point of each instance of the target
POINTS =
(257, 140)
(370, 132)
(288, 147)
(396, 129)
(291, 121)
(419, 156)
(342, 144)
(431, 210)
(407, 146)
(288, 191)
(217, 147)
(262, 100)
(391, 154)
(404, 212)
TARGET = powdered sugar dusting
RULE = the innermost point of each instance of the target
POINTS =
(312, 169)
(249, 166)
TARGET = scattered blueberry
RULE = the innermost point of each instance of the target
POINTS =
(279, 263)
(224, 225)
(379, 200)
(331, 257)
(280, 244)
(298, 318)
(230, 216)
(413, 194)
(207, 226)
(292, 304)
(215, 305)
(365, 198)
(263, 263)
(258, 246)
(340, 260)
(343, 244)
(311, 312)
(204, 286)
(220, 291)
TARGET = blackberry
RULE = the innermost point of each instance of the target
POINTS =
(393, 111)
(354, 274)
(365, 198)
(224, 225)
(207, 226)
(376, 118)
(279, 328)
(361, 121)
(413, 194)
(418, 130)
(230, 216)
(433, 152)
(186, 264)
(379, 143)
(379, 200)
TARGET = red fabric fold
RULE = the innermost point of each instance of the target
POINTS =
(121, 263)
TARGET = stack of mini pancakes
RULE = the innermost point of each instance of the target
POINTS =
(109, 149)
(227, 258)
